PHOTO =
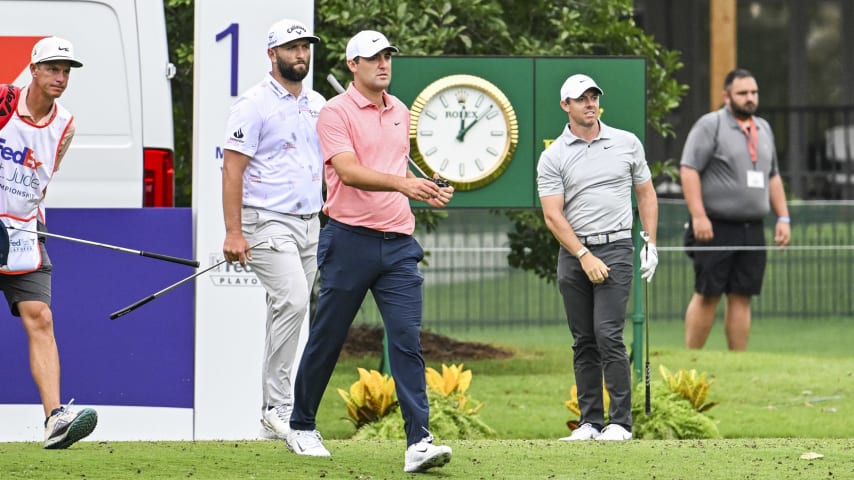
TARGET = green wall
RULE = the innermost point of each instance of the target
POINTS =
(532, 84)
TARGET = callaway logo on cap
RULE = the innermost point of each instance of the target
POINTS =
(54, 49)
(287, 30)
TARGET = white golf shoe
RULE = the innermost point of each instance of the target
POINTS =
(307, 442)
(275, 422)
(424, 455)
(614, 432)
(585, 432)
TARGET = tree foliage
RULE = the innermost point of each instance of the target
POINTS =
(502, 27)
(179, 30)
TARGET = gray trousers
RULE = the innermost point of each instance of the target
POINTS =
(596, 316)
(285, 266)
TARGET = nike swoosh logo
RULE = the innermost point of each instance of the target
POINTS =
(397, 123)
(606, 147)
(375, 40)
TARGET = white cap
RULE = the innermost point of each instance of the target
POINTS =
(54, 49)
(287, 30)
(368, 43)
(576, 85)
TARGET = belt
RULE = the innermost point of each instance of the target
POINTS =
(302, 216)
(368, 231)
(605, 238)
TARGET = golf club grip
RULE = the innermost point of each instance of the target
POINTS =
(132, 307)
(647, 403)
(182, 261)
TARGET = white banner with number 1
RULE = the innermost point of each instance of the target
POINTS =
(229, 57)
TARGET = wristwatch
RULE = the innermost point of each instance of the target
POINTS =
(464, 128)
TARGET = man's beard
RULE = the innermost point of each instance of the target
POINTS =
(290, 73)
(743, 111)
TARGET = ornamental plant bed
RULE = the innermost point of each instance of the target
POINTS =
(363, 340)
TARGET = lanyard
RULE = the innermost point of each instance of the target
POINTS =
(749, 129)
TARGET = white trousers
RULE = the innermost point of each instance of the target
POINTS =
(286, 266)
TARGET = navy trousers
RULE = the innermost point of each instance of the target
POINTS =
(352, 261)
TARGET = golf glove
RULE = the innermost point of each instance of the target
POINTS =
(649, 260)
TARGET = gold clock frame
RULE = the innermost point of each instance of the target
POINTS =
(508, 113)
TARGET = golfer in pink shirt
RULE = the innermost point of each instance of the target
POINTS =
(367, 246)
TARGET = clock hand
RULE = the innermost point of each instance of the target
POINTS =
(462, 122)
(461, 135)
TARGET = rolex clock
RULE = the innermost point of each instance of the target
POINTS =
(463, 128)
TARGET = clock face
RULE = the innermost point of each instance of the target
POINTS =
(463, 128)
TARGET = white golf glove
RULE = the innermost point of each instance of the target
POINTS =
(649, 260)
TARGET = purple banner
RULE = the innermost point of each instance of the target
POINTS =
(144, 358)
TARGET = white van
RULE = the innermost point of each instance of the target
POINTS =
(122, 154)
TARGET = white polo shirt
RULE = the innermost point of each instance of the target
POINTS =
(278, 132)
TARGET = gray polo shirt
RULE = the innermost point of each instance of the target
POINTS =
(594, 178)
(717, 148)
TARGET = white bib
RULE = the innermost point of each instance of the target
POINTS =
(27, 160)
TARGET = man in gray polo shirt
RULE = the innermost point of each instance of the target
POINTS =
(585, 181)
(730, 180)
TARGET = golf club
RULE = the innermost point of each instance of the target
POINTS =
(134, 306)
(441, 182)
(182, 261)
(647, 398)
(335, 84)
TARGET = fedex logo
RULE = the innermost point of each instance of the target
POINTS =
(22, 244)
(17, 52)
(21, 157)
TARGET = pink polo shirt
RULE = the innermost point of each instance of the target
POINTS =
(380, 140)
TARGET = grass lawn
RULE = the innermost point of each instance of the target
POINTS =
(485, 459)
(792, 393)
(795, 380)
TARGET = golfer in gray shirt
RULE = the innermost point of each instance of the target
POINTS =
(585, 180)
